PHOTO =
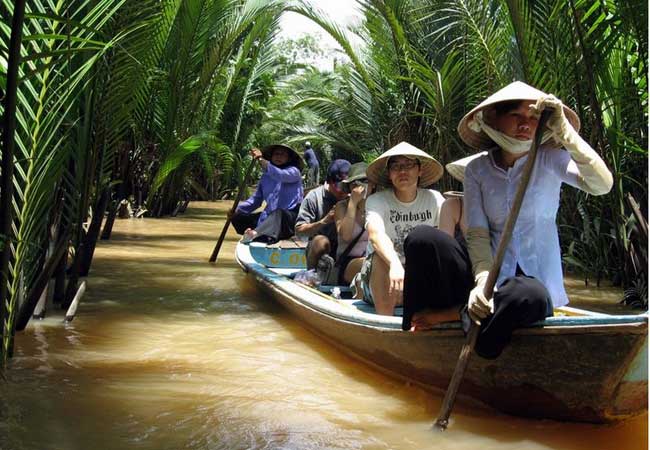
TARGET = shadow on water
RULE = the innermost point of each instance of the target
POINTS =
(156, 240)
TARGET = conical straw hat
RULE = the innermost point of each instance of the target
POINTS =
(457, 168)
(294, 156)
(513, 91)
(431, 170)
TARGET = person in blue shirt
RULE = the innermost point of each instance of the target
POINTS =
(313, 166)
(281, 188)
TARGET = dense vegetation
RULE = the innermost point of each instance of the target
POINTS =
(159, 100)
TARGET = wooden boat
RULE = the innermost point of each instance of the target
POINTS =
(578, 365)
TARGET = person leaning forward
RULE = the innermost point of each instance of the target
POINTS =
(401, 223)
(281, 188)
(316, 215)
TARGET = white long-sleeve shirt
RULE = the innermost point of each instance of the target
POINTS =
(535, 246)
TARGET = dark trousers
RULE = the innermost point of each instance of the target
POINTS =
(242, 221)
(519, 301)
(277, 226)
(437, 273)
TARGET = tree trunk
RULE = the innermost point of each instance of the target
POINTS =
(59, 280)
(7, 182)
(73, 277)
(27, 307)
(184, 206)
(120, 194)
(110, 220)
(90, 240)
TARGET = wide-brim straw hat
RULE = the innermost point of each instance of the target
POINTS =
(358, 171)
(293, 155)
(431, 170)
(514, 91)
(457, 168)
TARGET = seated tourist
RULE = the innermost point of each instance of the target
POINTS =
(281, 188)
(350, 216)
(316, 215)
(452, 211)
(399, 220)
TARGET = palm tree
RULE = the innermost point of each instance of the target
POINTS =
(214, 60)
(56, 158)
(105, 86)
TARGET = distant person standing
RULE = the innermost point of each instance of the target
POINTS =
(313, 166)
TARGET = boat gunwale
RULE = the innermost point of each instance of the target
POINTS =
(596, 324)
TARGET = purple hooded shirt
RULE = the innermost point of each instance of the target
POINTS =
(281, 188)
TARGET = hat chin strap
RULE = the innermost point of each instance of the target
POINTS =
(507, 143)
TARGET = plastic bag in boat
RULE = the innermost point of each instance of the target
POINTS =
(307, 277)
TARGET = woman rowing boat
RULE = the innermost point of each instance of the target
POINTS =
(530, 281)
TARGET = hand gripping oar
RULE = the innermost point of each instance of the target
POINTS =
(242, 186)
(470, 342)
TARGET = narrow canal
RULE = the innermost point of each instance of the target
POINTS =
(170, 352)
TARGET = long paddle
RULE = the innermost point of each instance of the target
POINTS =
(470, 342)
(242, 186)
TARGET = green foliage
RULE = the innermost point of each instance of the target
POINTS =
(161, 95)
(62, 47)
(215, 60)
(210, 152)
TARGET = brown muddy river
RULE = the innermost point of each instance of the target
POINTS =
(170, 352)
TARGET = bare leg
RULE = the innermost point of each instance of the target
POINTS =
(379, 284)
(249, 235)
(427, 318)
(353, 267)
(319, 246)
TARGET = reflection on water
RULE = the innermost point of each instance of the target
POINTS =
(170, 352)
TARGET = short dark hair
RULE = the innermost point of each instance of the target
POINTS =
(505, 107)
(392, 159)
(338, 170)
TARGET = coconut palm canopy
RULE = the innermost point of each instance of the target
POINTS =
(158, 101)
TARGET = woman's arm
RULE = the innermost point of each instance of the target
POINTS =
(289, 174)
(344, 225)
(478, 246)
(476, 222)
(593, 175)
(450, 216)
(384, 248)
(347, 215)
(253, 202)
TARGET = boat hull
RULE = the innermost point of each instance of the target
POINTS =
(592, 371)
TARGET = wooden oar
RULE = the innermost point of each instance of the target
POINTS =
(470, 342)
(242, 186)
